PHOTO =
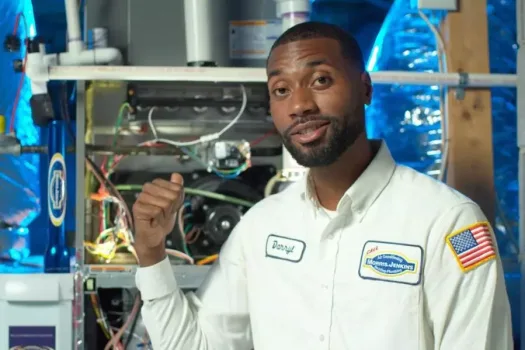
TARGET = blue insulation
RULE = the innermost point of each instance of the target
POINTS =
(409, 117)
(19, 176)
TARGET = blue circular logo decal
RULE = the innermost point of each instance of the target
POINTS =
(56, 187)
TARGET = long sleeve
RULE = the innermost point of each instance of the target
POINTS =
(214, 318)
(464, 286)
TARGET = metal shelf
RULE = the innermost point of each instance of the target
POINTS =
(123, 276)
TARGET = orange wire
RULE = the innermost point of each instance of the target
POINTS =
(208, 259)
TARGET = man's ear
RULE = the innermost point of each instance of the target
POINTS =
(367, 83)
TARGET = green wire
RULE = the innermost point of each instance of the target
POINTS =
(184, 244)
(118, 124)
(197, 192)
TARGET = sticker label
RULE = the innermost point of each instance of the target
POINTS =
(57, 190)
(391, 262)
(32, 337)
(253, 39)
(284, 248)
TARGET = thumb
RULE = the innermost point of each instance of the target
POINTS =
(177, 178)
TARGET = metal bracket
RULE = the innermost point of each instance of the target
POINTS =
(463, 83)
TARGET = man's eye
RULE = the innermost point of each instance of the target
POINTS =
(322, 81)
(280, 92)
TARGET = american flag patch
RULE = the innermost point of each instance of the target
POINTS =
(472, 246)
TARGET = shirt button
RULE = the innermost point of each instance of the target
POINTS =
(324, 286)
(321, 337)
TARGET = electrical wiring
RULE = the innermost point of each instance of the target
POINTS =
(208, 259)
(226, 174)
(109, 242)
(193, 235)
(197, 192)
(274, 180)
(118, 124)
(263, 137)
(119, 237)
(103, 322)
(182, 230)
(115, 339)
(202, 139)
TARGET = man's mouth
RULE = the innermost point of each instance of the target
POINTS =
(310, 131)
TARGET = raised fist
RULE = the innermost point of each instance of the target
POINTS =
(155, 212)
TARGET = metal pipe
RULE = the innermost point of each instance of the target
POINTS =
(258, 75)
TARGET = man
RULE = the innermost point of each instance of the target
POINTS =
(363, 254)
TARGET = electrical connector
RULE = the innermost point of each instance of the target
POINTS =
(209, 138)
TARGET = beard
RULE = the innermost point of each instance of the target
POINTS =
(340, 136)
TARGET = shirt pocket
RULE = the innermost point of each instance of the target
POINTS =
(380, 315)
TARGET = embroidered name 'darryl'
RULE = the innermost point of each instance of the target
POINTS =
(285, 248)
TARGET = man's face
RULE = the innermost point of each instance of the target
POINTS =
(317, 100)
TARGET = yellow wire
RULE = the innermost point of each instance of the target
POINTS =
(208, 259)
(90, 93)
(100, 319)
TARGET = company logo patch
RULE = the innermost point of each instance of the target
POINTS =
(285, 248)
(56, 199)
(391, 262)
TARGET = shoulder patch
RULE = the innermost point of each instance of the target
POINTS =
(472, 246)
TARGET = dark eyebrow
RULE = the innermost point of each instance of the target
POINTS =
(310, 64)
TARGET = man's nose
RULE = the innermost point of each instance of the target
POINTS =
(302, 103)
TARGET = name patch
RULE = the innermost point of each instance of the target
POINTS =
(391, 262)
(284, 248)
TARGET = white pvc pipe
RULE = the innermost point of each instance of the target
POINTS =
(74, 36)
(198, 18)
(292, 12)
(106, 55)
(254, 75)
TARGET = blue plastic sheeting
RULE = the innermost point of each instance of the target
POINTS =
(503, 47)
(409, 117)
(19, 176)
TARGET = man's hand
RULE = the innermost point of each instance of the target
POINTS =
(155, 212)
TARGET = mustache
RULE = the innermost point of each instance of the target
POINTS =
(303, 120)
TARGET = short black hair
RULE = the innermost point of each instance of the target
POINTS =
(317, 30)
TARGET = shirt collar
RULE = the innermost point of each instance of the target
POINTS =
(366, 188)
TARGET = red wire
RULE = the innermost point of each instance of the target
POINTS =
(17, 23)
(262, 138)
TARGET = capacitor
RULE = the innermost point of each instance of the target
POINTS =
(2, 125)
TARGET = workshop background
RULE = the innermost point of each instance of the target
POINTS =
(392, 34)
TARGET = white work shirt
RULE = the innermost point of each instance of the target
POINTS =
(404, 263)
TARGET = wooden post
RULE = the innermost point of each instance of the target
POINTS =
(470, 167)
